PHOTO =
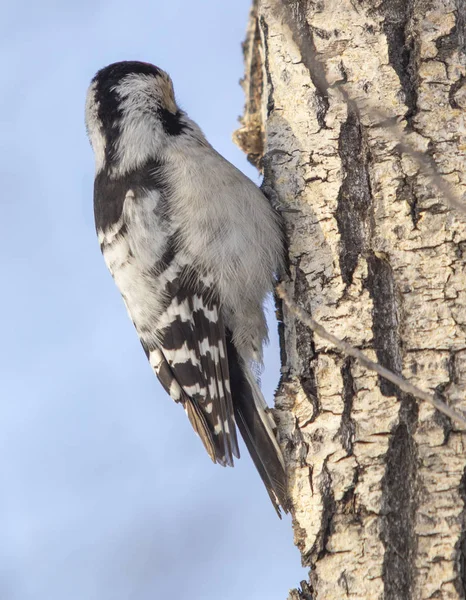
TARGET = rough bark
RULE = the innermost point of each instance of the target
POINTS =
(377, 481)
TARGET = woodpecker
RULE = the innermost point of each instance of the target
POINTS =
(194, 247)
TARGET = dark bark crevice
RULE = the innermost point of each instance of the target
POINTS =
(442, 390)
(281, 338)
(355, 197)
(454, 89)
(401, 49)
(381, 286)
(329, 507)
(461, 25)
(347, 428)
(399, 508)
(447, 44)
(349, 503)
(305, 347)
(270, 98)
(406, 192)
(454, 40)
(460, 582)
(399, 495)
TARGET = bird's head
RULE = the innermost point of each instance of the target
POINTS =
(130, 111)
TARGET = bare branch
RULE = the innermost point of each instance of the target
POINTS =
(349, 350)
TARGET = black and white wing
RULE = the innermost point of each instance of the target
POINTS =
(173, 306)
(190, 359)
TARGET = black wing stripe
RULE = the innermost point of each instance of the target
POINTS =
(171, 385)
(255, 435)
(205, 314)
(189, 344)
(222, 377)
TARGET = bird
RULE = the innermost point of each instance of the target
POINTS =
(194, 247)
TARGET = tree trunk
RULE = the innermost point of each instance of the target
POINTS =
(377, 481)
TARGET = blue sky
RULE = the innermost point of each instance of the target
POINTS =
(106, 493)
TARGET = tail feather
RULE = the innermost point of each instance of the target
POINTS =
(256, 428)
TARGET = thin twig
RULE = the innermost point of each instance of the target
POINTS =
(404, 385)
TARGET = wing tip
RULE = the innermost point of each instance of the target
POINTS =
(221, 446)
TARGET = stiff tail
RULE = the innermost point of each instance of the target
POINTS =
(256, 428)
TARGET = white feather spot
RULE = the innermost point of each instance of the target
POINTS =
(221, 349)
(181, 355)
(212, 388)
(211, 314)
(175, 390)
(207, 280)
(155, 358)
(196, 389)
(205, 347)
(175, 310)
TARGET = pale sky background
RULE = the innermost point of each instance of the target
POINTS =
(105, 491)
